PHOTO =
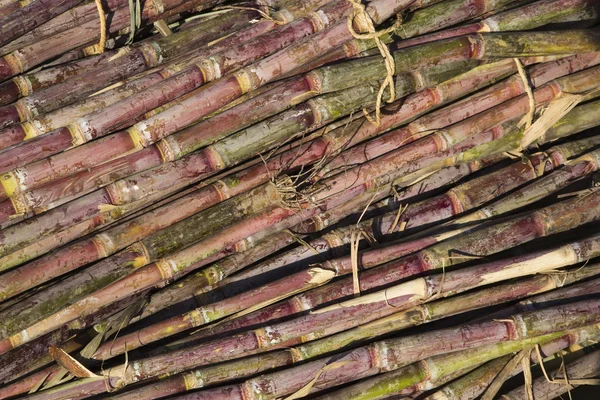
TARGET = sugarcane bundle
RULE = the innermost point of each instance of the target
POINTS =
(254, 200)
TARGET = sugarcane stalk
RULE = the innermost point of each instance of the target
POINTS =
(218, 274)
(261, 225)
(9, 8)
(302, 117)
(447, 57)
(529, 16)
(21, 60)
(206, 69)
(308, 301)
(462, 130)
(272, 102)
(420, 388)
(29, 17)
(581, 118)
(233, 262)
(202, 92)
(444, 14)
(479, 242)
(572, 170)
(255, 318)
(153, 247)
(575, 373)
(392, 354)
(577, 120)
(404, 319)
(579, 290)
(188, 286)
(434, 367)
(266, 294)
(17, 360)
(317, 348)
(107, 69)
(475, 193)
(132, 233)
(153, 53)
(480, 102)
(76, 16)
(41, 361)
(540, 163)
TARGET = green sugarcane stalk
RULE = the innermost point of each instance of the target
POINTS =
(580, 118)
(444, 14)
(389, 383)
(577, 120)
(529, 16)
(454, 113)
(385, 356)
(472, 385)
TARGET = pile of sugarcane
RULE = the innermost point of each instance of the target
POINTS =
(285, 199)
